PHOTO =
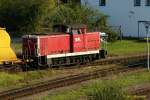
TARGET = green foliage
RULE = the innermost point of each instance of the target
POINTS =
(24, 15)
(77, 14)
(7, 80)
(70, 14)
(112, 35)
(107, 91)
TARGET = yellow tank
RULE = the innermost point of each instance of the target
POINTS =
(6, 53)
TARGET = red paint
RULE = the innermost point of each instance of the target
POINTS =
(54, 44)
(60, 44)
(92, 41)
(77, 43)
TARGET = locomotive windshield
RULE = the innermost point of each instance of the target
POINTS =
(72, 29)
(75, 31)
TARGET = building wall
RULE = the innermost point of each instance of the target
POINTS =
(124, 13)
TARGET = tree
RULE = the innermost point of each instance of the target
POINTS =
(76, 14)
(24, 15)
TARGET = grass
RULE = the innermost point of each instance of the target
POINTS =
(7, 80)
(100, 86)
(107, 91)
(84, 91)
(12, 80)
(125, 47)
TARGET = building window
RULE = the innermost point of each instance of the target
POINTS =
(102, 2)
(137, 2)
(147, 2)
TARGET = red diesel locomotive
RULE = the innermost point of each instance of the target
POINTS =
(69, 45)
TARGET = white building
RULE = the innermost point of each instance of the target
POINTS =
(126, 13)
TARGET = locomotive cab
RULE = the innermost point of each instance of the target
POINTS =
(78, 29)
(70, 29)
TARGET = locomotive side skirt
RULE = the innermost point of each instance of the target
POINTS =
(72, 58)
(73, 54)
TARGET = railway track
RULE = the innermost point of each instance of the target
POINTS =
(111, 60)
(11, 68)
(141, 91)
(61, 82)
(122, 59)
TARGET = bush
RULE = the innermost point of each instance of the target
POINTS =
(107, 91)
(112, 35)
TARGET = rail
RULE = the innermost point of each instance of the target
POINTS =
(61, 82)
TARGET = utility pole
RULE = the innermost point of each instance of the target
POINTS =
(147, 28)
(146, 24)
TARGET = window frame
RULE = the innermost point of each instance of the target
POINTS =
(147, 2)
(102, 3)
(137, 3)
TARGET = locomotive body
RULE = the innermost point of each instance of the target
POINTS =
(74, 46)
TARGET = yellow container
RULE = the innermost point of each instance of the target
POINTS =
(6, 53)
